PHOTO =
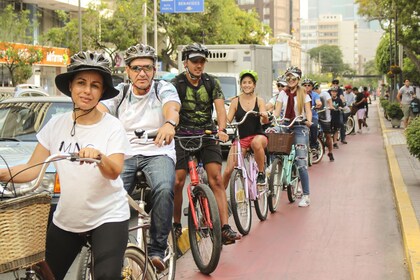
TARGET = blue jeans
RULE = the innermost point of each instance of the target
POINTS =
(313, 134)
(160, 175)
(301, 143)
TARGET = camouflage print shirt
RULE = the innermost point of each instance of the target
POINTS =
(197, 107)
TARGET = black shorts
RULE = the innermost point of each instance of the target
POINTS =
(326, 126)
(209, 152)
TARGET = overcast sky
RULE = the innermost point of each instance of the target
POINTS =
(304, 8)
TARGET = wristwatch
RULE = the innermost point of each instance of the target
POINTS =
(171, 122)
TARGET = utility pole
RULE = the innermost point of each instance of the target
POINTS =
(80, 27)
(145, 24)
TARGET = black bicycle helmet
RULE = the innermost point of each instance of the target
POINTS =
(194, 50)
(294, 71)
(87, 61)
(281, 81)
(139, 51)
(307, 81)
(316, 84)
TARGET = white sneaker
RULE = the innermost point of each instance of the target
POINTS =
(305, 201)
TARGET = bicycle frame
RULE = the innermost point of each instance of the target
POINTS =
(249, 170)
(195, 180)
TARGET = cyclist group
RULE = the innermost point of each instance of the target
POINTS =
(92, 195)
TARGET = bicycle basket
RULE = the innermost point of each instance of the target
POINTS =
(280, 143)
(23, 229)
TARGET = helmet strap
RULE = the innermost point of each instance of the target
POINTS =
(85, 112)
(192, 76)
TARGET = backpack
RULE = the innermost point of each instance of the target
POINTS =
(415, 106)
(180, 83)
(125, 91)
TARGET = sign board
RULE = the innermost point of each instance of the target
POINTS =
(181, 6)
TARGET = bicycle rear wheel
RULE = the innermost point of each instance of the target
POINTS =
(294, 189)
(134, 265)
(84, 268)
(206, 239)
(240, 204)
(275, 184)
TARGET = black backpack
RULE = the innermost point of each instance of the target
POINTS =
(125, 91)
(180, 83)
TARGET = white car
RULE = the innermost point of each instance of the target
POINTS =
(28, 90)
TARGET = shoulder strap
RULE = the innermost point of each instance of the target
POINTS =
(125, 91)
(180, 84)
(156, 89)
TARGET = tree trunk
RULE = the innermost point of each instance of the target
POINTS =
(412, 56)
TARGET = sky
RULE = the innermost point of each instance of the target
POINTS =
(303, 8)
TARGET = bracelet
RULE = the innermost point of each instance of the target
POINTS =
(223, 130)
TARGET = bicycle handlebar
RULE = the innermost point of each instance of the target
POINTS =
(244, 118)
(207, 135)
(296, 119)
(25, 190)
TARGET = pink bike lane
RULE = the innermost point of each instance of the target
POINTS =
(350, 230)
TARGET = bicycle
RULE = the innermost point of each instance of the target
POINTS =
(243, 186)
(134, 259)
(141, 191)
(204, 227)
(284, 171)
(315, 155)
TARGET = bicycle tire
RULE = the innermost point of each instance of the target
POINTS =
(316, 158)
(240, 204)
(350, 125)
(134, 263)
(293, 190)
(261, 204)
(275, 184)
(83, 269)
(205, 242)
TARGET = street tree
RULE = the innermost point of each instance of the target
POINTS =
(221, 23)
(331, 59)
(402, 15)
(15, 28)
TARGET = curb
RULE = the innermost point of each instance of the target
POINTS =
(410, 229)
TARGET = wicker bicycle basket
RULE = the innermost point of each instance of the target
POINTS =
(23, 228)
(280, 143)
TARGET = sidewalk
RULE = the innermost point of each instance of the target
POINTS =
(405, 176)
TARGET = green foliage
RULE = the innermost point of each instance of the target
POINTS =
(330, 57)
(221, 23)
(393, 110)
(382, 57)
(384, 103)
(407, 23)
(412, 134)
(22, 74)
(16, 27)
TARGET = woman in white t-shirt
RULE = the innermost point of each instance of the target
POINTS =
(93, 201)
(297, 103)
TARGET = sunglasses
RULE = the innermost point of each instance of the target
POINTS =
(145, 68)
(291, 79)
(306, 85)
(280, 85)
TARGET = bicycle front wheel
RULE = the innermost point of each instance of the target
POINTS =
(319, 153)
(134, 265)
(294, 189)
(349, 125)
(261, 203)
(240, 204)
(275, 184)
(206, 238)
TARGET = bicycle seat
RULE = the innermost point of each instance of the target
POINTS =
(141, 181)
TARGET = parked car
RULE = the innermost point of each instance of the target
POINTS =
(20, 120)
(29, 90)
